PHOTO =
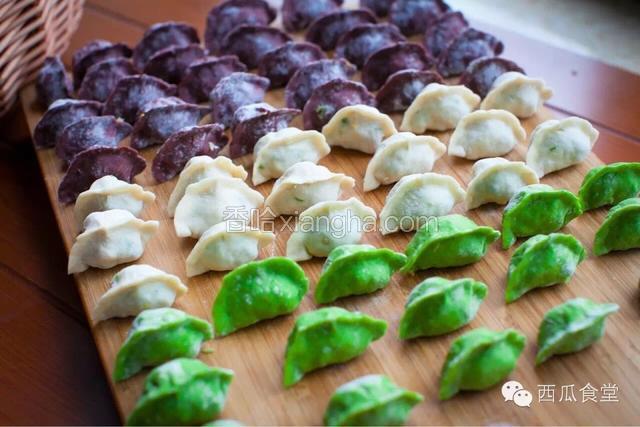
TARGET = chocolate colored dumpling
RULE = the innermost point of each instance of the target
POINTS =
(133, 92)
(53, 83)
(471, 44)
(103, 76)
(482, 72)
(388, 60)
(92, 53)
(233, 92)
(312, 75)
(402, 87)
(360, 42)
(251, 42)
(445, 30)
(327, 99)
(279, 64)
(60, 114)
(327, 29)
(160, 36)
(170, 64)
(298, 14)
(415, 16)
(204, 74)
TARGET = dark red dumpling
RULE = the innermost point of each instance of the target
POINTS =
(415, 16)
(402, 87)
(160, 118)
(251, 124)
(92, 53)
(482, 72)
(379, 7)
(171, 158)
(471, 44)
(251, 42)
(281, 63)
(230, 14)
(203, 75)
(360, 42)
(103, 76)
(298, 14)
(327, 29)
(160, 36)
(446, 29)
(53, 83)
(386, 61)
(327, 99)
(104, 131)
(93, 163)
(133, 92)
(234, 91)
(312, 75)
(60, 114)
(171, 64)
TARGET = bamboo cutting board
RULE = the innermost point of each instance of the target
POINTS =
(255, 354)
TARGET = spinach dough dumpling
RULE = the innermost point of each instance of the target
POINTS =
(621, 228)
(610, 184)
(356, 270)
(368, 401)
(480, 359)
(572, 326)
(325, 337)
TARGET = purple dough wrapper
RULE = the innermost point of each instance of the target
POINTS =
(312, 75)
(415, 16)
(251, 42)
(171, 64)
(251, 124)
(360, 42)
(204, 74)
(327, 99)
(92, 53)
(233, 92)
(327, 29)
(230, 14)
(162, 117)
(103, 131)
(482, 72)
(299, 14)
(53, 83)
(60, 114)
(402, 87)
(93, 163)
(171, 158)
(445, 30)
(160, 36)
(386, 61)
(468, 46)
(379, 7)
(133, 92)
(280, 64)
(103, 76)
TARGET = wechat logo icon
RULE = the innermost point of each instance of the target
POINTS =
(514, 391)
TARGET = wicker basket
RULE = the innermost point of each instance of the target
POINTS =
(31, 30)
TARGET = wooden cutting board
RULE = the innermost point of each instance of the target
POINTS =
(255, 354)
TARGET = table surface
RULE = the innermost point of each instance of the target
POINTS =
(49, 367)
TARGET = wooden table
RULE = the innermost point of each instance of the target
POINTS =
(49, 369)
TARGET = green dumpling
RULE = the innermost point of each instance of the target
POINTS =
(372, 400)
(438, 306)
(480, 359)
(256, 291)
(356, 270)
(537, 209)
(453, 241)
(325, 337)
(159, 335)
(541, 261)
(572, 326)
(610, 184)
(621, 228)
(181, 392)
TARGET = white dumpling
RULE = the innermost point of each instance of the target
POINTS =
(557, 144)
(496, 180)
(199, 168)
(110, 238)
(213, 200)
(439, 107)
(223, 248)
(276, 152)
(303, 185)
(417, 198)
(400, 155)
(490, 133)
(137, 288)
(358, 127)
(108, 193)
(327, 225)
(515, 92)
